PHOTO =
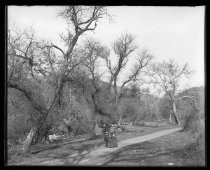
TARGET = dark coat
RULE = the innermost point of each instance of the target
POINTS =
(112, 140)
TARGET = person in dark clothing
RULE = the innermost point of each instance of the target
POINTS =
(106, 139)
(106, 129)
(113, 140)
(113, 136)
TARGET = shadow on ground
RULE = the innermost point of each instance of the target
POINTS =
(70, 153)
(133, 154)
(156, 152)
(55, 145)
(151, 154)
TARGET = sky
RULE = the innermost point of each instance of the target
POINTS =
(167, 32)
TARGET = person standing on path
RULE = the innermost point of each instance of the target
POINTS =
(113, 136)
(106, 130)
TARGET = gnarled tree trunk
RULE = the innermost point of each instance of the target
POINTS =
(43, 132)
(27, 143)
(36, 99)
(175, 114)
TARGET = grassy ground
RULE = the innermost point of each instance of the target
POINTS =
(172, 148)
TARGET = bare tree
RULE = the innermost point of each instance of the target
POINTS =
(167, 75)
(26, 49)
(123, 47)
(96, 52)
(144, 59)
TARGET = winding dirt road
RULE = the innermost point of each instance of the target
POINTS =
(96, 156)
(92, 157)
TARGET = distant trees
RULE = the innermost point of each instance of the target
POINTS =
(164, 108)
(135, 90)
(166, 76)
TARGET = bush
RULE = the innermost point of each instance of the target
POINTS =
(164, 107)
(191, 121)
(19, 117)
(17, 128)
(193, 117)
(14, 153)
(83, 127)
(194, 125)
(131, 110)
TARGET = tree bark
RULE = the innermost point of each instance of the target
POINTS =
(119, 122)
(175, 114)
(43, 132)
(170, 118)
(115, 91)
(28, 141)
(36, 100)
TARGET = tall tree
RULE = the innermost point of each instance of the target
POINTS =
(28, 50)
(123, 47)
(96, 52)
(166, 76)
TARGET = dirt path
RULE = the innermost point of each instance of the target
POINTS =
(97, 156)
(100, 152)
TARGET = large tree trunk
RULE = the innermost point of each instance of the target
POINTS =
(36, 100)
(115, 91)
(38, 126)
(43, 132)
(175, 114)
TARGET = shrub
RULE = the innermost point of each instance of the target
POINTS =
(14, 153)
(17, 128)
(131, 110)
(191, 121)
(194, 125)
(201, 143)
(19, 117)
(164, 107)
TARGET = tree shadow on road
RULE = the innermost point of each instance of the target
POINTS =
(133, 154)
(56, 145)
(66, 154)
(150, 154)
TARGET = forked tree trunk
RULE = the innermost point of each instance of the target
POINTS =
(175, 114)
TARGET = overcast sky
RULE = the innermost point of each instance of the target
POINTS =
(167, 32)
